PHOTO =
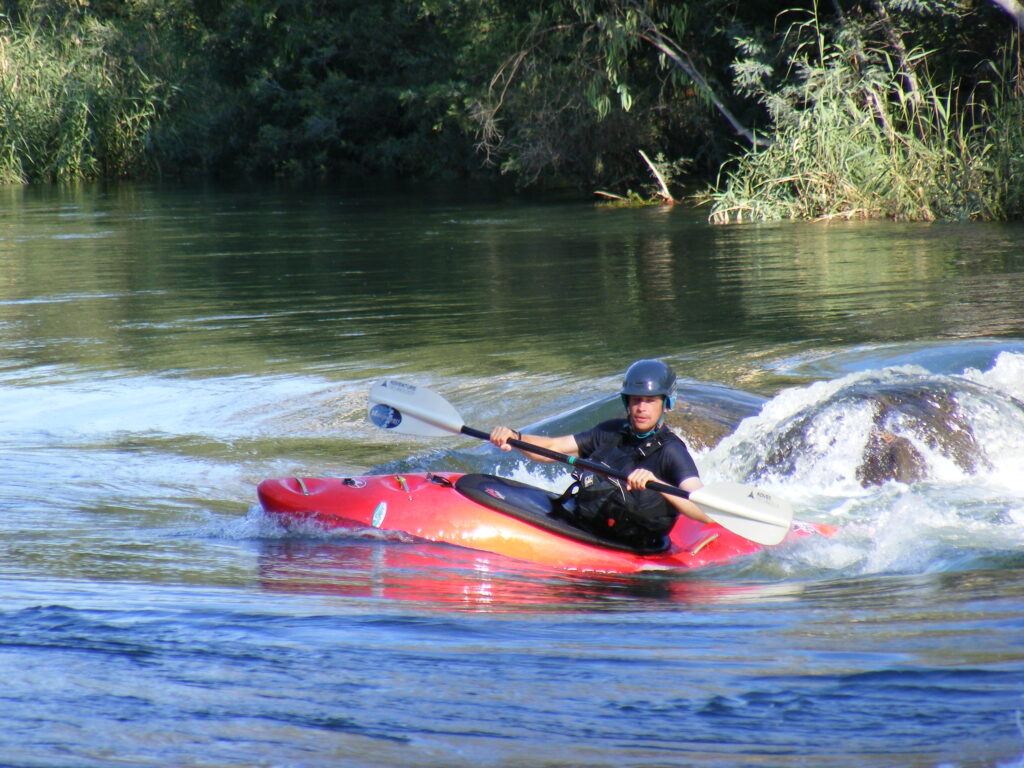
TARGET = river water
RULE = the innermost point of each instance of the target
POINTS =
(166, 348)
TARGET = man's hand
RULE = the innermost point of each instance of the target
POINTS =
(639, 478)
(501, 435)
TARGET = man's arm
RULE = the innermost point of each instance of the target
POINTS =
(563, 444)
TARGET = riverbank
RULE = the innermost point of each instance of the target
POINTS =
(855, 113)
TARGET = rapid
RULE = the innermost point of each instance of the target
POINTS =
(166, 348)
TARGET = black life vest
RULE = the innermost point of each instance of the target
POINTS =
(602, 505)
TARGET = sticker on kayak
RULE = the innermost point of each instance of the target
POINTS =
(385, 417)
(379, 513)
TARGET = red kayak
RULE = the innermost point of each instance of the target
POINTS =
(497, 515)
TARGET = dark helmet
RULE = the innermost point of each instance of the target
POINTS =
(649, 377)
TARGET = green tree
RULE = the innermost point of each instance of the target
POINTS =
(324, 87)
(590, 83)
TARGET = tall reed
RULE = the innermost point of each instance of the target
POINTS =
(855, 142)
(68, 109)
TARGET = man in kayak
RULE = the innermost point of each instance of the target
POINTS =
(641, 446)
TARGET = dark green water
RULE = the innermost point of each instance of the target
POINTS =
(165, 348)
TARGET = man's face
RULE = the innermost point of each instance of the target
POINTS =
(645, 411)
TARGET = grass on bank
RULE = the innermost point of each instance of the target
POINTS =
(68, 110)
(862, 144)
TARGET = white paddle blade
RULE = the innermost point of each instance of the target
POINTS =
(411, 410)
(752, 513)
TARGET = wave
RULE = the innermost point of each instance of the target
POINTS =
(921, 471)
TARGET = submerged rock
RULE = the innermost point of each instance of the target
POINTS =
(706, 413)
(698, 432)
(890, 457)
(905, 419)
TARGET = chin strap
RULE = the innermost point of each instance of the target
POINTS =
(647, 434)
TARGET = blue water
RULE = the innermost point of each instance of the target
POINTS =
(678, 673)
(166, 349)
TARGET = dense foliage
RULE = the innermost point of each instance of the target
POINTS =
(902, 108)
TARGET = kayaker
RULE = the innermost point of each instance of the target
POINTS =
(640, 445)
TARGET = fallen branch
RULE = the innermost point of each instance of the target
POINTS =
(665, 194)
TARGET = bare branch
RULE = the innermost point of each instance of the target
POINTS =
(682, 60)
(896, 42)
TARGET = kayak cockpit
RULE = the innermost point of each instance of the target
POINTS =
(537, 507)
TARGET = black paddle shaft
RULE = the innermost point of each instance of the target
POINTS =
(575, 461)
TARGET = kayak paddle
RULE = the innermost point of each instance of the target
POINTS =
(749, 512)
